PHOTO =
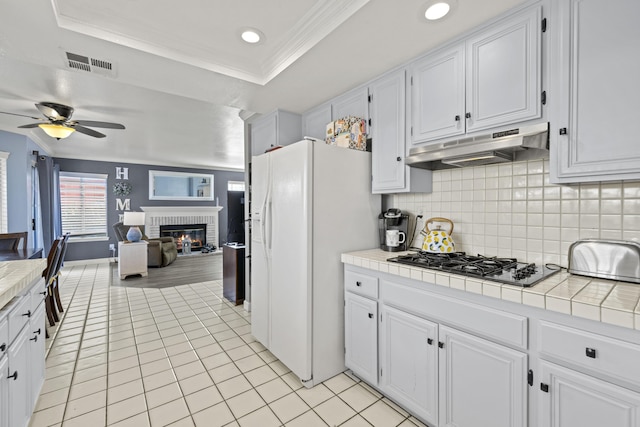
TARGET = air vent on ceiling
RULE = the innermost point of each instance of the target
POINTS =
(78, 62)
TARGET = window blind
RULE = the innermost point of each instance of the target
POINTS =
(83, 205)
(4, 220)
(235, 185)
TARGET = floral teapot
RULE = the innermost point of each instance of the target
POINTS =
(436, 240)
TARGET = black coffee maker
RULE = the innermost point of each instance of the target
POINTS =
(393, 225)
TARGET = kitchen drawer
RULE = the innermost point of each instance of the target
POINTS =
(361, 284)
(19, 316)
(591, 351)
(4, 336)
(38, 292)
(496, 325)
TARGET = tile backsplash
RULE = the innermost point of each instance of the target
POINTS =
(511, 210)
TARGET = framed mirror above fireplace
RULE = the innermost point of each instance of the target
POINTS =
(166, 185)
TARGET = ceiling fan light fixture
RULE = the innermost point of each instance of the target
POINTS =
(56, 131)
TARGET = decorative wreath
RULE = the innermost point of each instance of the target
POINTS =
(122, 188)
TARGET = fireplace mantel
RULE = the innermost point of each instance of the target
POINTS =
(180, 210)
(155, 216)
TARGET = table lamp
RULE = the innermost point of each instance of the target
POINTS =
(134, 220)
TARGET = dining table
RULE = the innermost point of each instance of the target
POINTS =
(27, 253)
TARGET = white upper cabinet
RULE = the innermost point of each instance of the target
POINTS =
(314, 121)
(387, 131)
(438, 96)
(491, 79)
(504, 72)
(595, 91)
(353, 103)
(276, 128)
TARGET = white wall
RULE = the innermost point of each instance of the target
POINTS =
(511, 210)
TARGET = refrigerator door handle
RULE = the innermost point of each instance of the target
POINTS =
(268, 225)
(263, 218)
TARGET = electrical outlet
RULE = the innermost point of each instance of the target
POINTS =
(112, 247)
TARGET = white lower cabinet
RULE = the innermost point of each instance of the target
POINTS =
(572, 399)
(361, 336)
(481, 383)
(4, 391)
(409, 362)
(18, 386)
(450, 378)
(36, 333)
(456, 359)
(22, 361)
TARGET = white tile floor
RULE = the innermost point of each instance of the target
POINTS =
(181, 356)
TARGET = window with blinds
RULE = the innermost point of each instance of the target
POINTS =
(235, 185)
(3, 192)
(83, 205)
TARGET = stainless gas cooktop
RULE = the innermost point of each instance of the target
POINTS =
(503, 270)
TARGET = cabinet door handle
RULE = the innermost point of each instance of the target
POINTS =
(563, 131)
(440, 344)
(3, 347)
(429, 341)
(28, 313)
(457, 118)
(34, 339)
(398, 159)
(43, 293)
(39, 331)
(14, 376)
(468, 115)
(358, 283)
(590, 352)
(370, 315)
(544, 387)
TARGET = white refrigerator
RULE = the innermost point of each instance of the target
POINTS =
(310, 202)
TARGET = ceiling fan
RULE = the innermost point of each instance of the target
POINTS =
(58, 123)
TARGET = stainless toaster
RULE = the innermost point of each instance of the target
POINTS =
(607, 259)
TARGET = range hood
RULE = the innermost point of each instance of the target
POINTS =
(523, 143)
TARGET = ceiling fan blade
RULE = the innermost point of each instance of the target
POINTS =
(22, 115)
(89, 132)
(29, 126)
(105, 125)
(55, 111)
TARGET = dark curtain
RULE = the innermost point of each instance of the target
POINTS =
(48, 179)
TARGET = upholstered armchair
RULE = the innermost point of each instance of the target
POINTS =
(162, 251)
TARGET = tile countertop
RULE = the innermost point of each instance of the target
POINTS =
(18, 275)
(607, 301)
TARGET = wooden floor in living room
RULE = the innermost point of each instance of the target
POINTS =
(186, 269)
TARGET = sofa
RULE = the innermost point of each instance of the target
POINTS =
(162, 251)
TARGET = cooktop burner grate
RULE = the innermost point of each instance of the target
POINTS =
(504, 270)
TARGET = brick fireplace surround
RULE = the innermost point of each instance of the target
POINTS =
(155, 216)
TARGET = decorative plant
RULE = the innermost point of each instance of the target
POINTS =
(122, 188)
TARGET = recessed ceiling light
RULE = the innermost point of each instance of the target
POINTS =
(251, 36)
(437, 10)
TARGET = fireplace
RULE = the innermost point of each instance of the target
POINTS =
(196, 232)
(157, 216)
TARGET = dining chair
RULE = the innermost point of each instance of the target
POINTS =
(56, 274)
(11, 241)
(48, 274)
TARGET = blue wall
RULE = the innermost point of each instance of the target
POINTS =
(139, 180)
(18, 180)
